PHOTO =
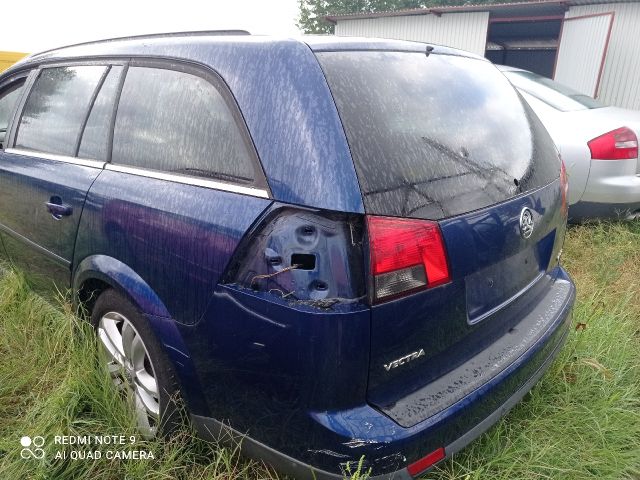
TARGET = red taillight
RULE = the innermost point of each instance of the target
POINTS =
(406, 255)
(426, 462)
(620, 144)
(564, 187)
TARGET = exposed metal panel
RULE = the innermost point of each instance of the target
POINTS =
(467, 31)
(620, 80)
(583, 42)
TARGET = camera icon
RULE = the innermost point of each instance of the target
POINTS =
(32, 447)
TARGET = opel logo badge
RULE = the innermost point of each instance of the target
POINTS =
(526, 223)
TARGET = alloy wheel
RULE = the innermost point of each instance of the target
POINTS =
(131, 369)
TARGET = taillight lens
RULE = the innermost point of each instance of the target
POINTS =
(564, 188)
(406, 255)
(426, 462)
(620, 144)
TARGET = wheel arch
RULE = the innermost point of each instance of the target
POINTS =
(96, 273)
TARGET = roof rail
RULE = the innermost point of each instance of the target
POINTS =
(195, 33)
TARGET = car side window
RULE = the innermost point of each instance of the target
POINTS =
(178, 122)
(57, 106)
(95, 138)
(8, 98)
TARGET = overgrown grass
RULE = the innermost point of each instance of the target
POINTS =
(581, 421)
(50, 384)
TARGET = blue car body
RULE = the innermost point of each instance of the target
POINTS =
(307, 374)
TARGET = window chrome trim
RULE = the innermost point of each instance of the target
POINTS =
(171, 177)
(58, 158)
(189, 180)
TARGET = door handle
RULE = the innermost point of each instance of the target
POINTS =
(57, 209)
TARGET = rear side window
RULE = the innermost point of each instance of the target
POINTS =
(436, 136)
(57, 106)
(95, 138)
(8, 98)
(178, 122)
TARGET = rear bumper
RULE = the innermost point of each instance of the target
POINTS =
(613, 187)
(584, 210)
(336, 438)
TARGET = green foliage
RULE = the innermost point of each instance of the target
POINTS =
(51, 384)
(360, 472)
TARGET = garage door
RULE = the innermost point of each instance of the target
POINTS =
(582, 50)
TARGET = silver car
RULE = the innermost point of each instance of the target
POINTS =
(599, 146)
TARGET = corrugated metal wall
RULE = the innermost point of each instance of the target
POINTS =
(467, 31)
(582, 48)
(620, 82)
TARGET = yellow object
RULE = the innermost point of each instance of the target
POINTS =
(9, 58)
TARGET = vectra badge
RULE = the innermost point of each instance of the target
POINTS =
(526, 223)
(403, 360)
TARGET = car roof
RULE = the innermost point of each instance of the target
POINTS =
(252, 67)
(316, 43)
(337, 43)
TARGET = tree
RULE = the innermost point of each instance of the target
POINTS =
(312, 12)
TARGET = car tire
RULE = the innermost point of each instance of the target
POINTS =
(137, 364)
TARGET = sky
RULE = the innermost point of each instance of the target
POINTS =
(33, 25)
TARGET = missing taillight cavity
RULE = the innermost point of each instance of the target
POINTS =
(619, 144)
(300, 256)
(304, 261)
(406, 255)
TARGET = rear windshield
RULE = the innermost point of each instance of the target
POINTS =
(436, 136)
(552, 93)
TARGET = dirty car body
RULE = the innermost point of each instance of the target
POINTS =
(383, 277)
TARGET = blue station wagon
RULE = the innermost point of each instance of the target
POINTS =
(331, 248)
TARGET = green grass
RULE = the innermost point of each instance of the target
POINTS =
(50, 384)
(581, 421)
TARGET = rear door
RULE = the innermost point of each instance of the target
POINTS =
(446, 138)
(182, 186)
(43, 179)
(11, 90)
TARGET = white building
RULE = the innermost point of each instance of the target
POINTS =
(590, 45)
